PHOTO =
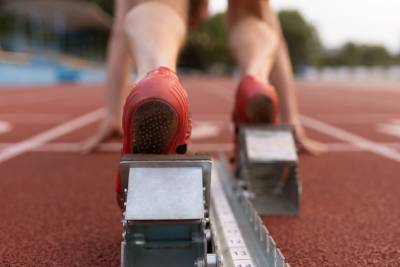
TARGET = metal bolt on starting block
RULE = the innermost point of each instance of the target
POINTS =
(267, 166)
(166, 212)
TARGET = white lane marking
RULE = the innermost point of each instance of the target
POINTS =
(390, 128)
(51, 134)
(193, 148)
(206, 129)
(354, 139)
(355, 118)
(35, 118)
(344, 147)
(5, 127)
(116, 147)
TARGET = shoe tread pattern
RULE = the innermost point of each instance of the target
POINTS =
(154, 126)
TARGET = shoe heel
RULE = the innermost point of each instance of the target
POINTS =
(154, 127)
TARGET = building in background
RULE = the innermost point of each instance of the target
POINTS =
(73, 27)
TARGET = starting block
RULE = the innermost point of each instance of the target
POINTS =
(166, 211)
(267, 169)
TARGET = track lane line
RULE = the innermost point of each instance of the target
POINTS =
(351, 138)
(116, 147)
(34, 118)
(325, 128)
(193, 147)
(51, 134)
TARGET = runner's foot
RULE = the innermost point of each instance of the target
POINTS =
(255, 103)
(155, 118)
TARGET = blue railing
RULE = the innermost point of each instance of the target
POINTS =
(45, 72)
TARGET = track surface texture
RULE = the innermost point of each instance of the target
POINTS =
(58, 205)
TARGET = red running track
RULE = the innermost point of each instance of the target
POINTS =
(58, 205)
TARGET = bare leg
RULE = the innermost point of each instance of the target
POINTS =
(119, 65)
(156, 31)
(252, 40)
(260, 50)
(282, 78)
(118, 62)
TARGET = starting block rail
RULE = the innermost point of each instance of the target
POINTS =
(241, 236)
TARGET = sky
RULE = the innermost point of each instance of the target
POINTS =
(339, 21)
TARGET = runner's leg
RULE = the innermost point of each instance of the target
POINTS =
(156, 31)
(252, 39)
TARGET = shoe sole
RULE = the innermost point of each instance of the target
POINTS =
(260, 110)
(154, 126)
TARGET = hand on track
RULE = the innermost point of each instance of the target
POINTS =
(109, 128)
(307, 145)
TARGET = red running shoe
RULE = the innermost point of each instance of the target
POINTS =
(255, 103)
(155, 117)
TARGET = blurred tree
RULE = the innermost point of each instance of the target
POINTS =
(6, 23)
(106, 5)
(351, 54)
(206, 47)
(376, 55)
(82, 37)
(301, 37)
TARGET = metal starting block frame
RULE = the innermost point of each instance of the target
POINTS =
(241, 238)
(166, 211)
(267, 169)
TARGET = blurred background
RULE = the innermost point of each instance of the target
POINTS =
(58, 205)
(50, 41)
